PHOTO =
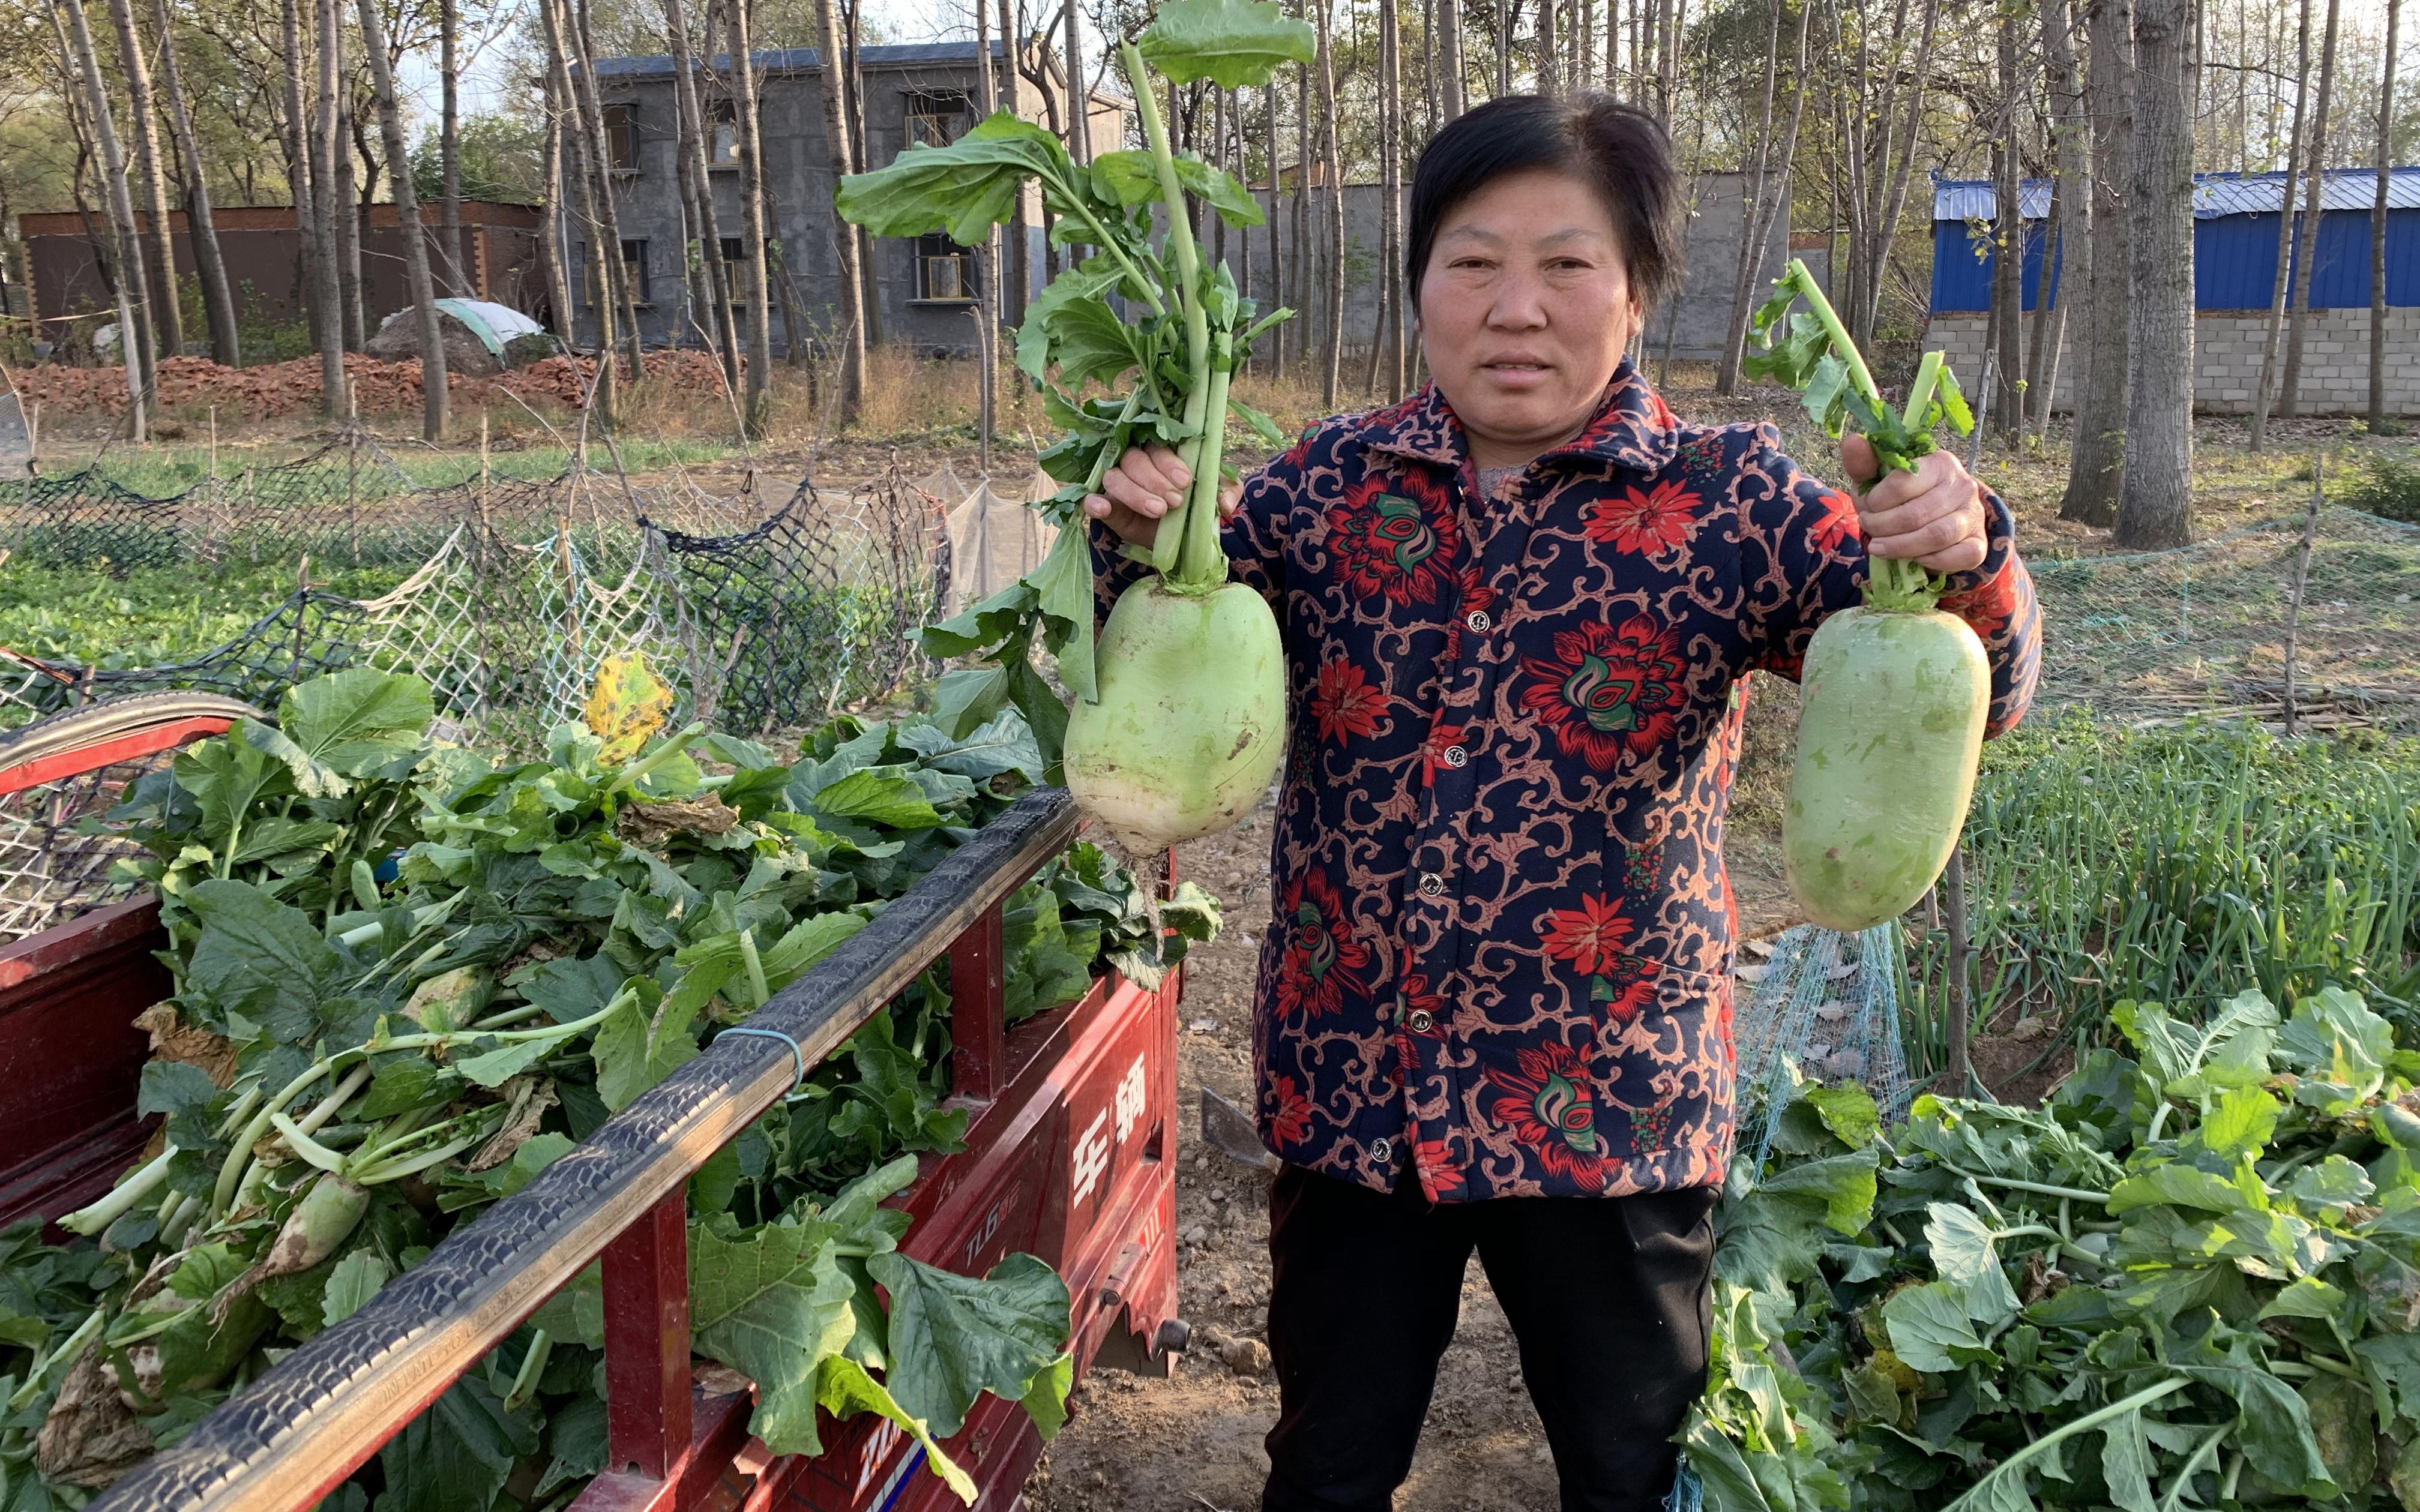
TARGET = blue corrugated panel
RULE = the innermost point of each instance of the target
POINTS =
(2235, 262)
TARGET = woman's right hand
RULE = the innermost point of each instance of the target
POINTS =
(1147, 483)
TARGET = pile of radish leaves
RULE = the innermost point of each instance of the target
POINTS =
(350, 1067)
(1150, 318)
(2190, 1281)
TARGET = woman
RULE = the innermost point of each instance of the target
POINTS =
(1494, 1007)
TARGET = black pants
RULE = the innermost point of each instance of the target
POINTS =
(1606, 1296)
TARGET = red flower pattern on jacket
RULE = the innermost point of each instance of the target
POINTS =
(1344, 703)
(1609, 690)
(1289, 1112)
(1556, 905)
(1323, 960)
(1648, 521)
(1589, 936)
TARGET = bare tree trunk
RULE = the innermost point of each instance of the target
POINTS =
(1079, 114)
(1885, 227)
(2281, 284)
(1583, 44)
(2298, 313)
(218, 303)
(1549, 80)
(751, 198)
(341, 204)
(852, 292)
(134, 333)
(413, 236)
(2096, 470)
(168, 316)
(1300, 260)
(2378, 424)
(697, 187)
(592, 118)
(1391, 189)
(598, 273)
(2008, 241)
(987, 261)
(1332, 360)
(1452, 101)
(2071, 205)
(301, 166)
(315, 215)
(1020, 269)
(853, 76)
(449, 146)
(2157, 509)
(553, 254)
(1276, 253)
(1752, 182)
(1504, 47)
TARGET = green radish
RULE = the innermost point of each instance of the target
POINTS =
(323, 1220)
(1179, 716)
(1895, 694)
(1190, 726)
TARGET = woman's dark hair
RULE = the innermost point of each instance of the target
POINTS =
(1591, 136)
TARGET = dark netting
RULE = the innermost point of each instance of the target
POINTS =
(308, 634)
(85, 519)
(813, 610)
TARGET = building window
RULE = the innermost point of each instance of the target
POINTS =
(944, 269)
(634, 268)
(622, 137)
(724, 150)
(735, 254)
(937, 120)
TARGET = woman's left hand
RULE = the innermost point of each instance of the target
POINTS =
(1934, 515)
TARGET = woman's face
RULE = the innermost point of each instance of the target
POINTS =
(1525, 310)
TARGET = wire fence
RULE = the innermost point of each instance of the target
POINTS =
(765, 611)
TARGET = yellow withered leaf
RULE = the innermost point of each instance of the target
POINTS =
(628, 704)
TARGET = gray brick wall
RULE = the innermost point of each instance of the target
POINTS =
(2226, 360)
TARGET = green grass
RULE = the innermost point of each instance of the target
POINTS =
(2182, 866)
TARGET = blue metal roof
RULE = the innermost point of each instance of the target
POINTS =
(2215, 194)
(798, 59)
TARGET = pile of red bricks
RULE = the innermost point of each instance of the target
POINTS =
(189, 385)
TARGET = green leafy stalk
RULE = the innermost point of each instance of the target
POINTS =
(1813, 353)
(1167, 546)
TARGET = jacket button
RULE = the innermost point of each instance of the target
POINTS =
(1478, 621)
(1454, 756)
(1382, 1149)
(1431, 884)
(1421, 1021)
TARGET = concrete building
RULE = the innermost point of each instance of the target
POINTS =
(922, 93)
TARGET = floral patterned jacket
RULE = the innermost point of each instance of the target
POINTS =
(1502, 939)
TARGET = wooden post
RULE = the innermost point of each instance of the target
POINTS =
(978, 1029)
(2302, 582)
(1961, 1071)
(649, 1410)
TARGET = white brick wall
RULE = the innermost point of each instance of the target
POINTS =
(2226, 358)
